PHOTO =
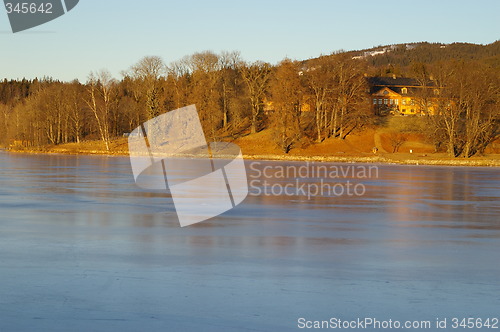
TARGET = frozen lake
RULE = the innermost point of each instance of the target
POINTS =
(83, 249)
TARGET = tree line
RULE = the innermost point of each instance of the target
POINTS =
(233, 97)
(302, 102)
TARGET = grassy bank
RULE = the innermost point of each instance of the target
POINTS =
(356, 148)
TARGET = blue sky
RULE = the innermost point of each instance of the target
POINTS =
(114, 34)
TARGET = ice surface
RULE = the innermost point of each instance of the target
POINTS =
(83, 249)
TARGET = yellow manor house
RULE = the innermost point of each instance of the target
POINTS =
(403, 96)
(390, 96)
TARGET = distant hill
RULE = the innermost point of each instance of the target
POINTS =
(403, 55)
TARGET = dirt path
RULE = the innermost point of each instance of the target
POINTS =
(378, 142)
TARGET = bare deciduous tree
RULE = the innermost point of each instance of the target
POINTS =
(205, 90)
(101, 99)
(286, 91)
(256, 77)
(468, 108)
(319, 77)
(146, 75)
(349, 95)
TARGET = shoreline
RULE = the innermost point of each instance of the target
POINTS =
(383, 158)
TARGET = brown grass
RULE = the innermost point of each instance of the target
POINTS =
(355, 148)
